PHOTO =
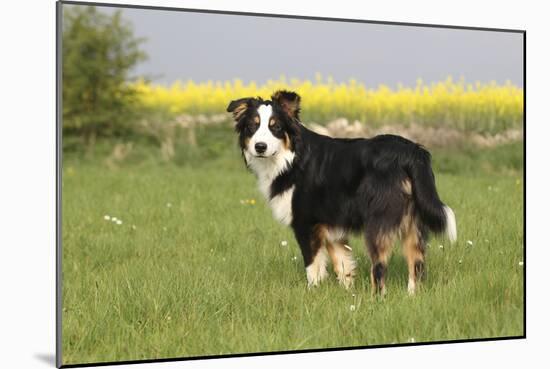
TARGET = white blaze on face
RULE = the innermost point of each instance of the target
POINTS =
(264, 135)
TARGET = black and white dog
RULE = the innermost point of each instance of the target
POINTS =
(327, 188)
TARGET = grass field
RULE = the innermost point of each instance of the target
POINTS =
(193, 270)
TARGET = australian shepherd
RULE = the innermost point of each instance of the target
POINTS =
(327, 188)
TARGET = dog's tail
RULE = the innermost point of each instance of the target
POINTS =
(433, 213)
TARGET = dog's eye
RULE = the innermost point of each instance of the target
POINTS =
(252, 126)
(275, 127)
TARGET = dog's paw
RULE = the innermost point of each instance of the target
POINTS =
(346, 280)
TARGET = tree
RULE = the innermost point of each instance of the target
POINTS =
(99, 51)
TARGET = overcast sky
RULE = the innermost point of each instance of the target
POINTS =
(205, 47)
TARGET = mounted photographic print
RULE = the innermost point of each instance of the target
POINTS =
(239, 184)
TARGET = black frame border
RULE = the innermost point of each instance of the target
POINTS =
(59, 158)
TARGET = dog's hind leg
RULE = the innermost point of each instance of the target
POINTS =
(342, 262)
(379, 248)
(414, 250)
(312, 241)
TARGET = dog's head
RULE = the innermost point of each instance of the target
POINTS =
(267, 128)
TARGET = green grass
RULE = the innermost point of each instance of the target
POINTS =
(208, 275)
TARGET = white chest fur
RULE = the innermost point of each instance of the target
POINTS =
(267, 169)
(281, 206)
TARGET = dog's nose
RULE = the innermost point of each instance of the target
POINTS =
(260, 147)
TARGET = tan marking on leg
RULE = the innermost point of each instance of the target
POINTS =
(385, 243)
(342, 262)
(414, 254)
(380, 254)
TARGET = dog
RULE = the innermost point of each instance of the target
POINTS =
(328, 188)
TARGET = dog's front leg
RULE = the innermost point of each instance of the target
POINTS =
(342, 261)
(312, 241)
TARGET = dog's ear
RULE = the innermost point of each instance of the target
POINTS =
(238, 107)
(289, 101)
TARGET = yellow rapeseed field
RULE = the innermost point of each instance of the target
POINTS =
(478, 107)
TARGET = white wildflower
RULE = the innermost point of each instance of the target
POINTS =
(106, 217)
(469, 242)
(284, 243)
(352, 307)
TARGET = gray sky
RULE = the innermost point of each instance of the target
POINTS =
(222, 47)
